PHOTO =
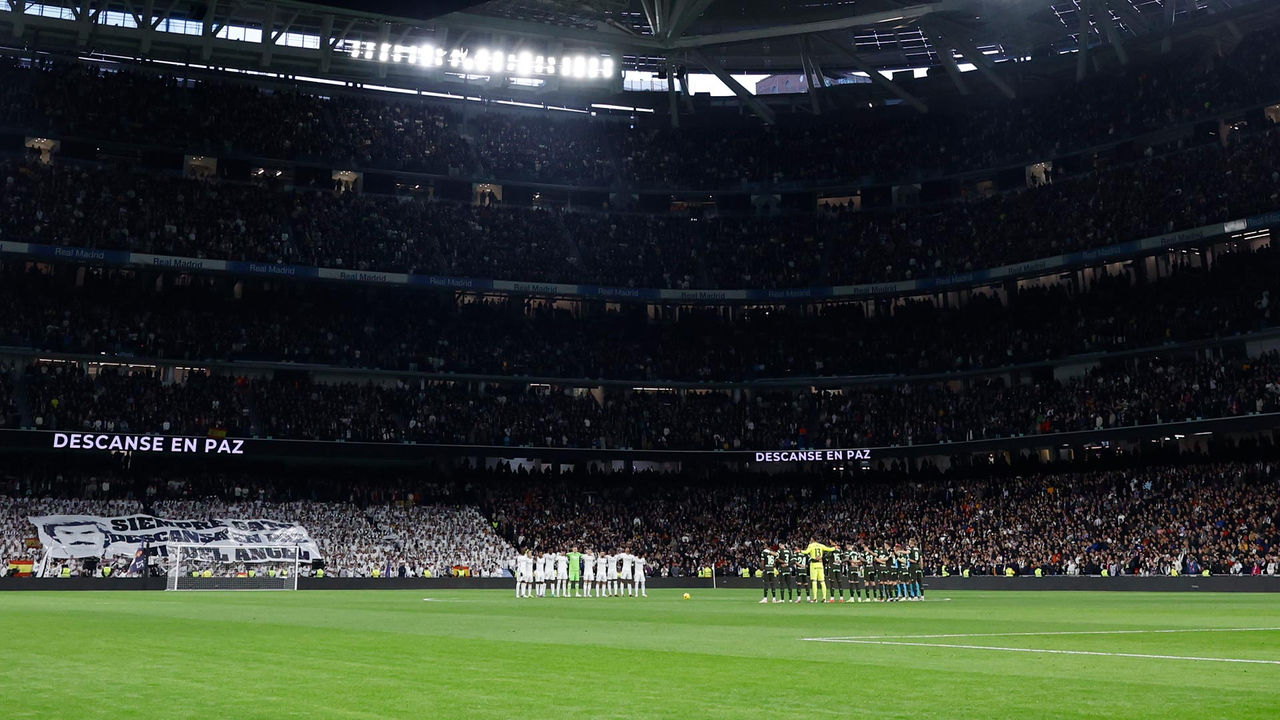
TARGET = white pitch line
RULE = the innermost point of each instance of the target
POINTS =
(1062, 652)
(1038, 634)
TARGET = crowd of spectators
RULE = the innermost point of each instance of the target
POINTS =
(399, 540)
(1142, 391)
(1047, 120)
(109, 208)
(200, 318)
(533, 147)
(227, 117)
(1143, 520)
(888, 144)
(9, 416)
(1217, 517)
(63, 396)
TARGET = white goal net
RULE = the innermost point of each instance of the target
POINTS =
(210, 567)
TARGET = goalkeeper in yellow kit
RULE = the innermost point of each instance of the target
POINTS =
(817, 578)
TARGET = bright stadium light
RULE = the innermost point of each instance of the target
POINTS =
(487, 62)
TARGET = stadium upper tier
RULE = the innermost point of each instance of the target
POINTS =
(1215, 516)
(93, 207)
(292, 405)
(871, 146)
(1219, 295)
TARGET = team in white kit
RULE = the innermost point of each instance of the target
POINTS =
(576, 574)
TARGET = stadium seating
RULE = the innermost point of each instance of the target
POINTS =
(1142, 392)
(190, 218)
(1148, 521)
(205, 318)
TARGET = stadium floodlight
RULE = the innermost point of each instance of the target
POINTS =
(486, 61)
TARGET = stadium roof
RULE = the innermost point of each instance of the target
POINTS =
(543, 49)
(771, 35)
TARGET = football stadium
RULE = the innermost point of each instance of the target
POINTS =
(639, 359)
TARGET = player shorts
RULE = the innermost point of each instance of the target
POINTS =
(573, 576)
(816, 573)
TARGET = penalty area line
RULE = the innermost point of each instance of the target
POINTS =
(1046, 651)
(1048, 633)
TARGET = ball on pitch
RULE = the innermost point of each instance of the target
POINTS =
(687, 596)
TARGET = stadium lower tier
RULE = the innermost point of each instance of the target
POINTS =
(1219, 292)
(124, 209)
(1161, 520)
(115, 397)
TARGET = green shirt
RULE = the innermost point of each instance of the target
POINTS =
(768, 558)
(575, 562)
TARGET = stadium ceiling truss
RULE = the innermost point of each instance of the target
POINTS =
(539, 48)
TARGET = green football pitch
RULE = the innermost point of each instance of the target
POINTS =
(485, 654)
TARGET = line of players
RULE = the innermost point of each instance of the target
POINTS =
(884, 573)
(578, 574)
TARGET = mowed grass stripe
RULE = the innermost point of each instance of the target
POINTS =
(388, 654)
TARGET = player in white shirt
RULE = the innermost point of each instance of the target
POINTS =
(612, 570)
(524, 574)
(588, 572)
(540, 574)
(562, 575)
(603, 563)
(637, 574)
(624, 574)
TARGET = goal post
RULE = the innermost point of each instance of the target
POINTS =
(214, 567)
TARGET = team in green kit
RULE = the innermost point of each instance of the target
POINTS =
(881, 572)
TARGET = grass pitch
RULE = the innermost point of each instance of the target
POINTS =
(485, 654)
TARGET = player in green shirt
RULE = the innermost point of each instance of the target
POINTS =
(769, 574)
(857, 574)
(884, 576)
(800, 566)
(916, 564)
(786, 572)
(575, 573)
(837, 571)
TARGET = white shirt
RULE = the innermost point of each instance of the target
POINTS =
(638, 564)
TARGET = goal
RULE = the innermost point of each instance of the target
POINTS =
(212, 567)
